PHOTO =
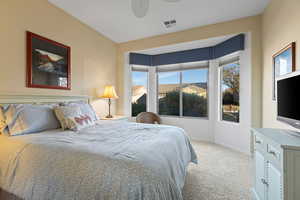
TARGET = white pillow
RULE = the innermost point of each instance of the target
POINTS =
(86, 109)
(27, 118)
(3, 125)
(71, 117)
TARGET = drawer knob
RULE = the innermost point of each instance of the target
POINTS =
(264, 182)
(273, 153)
(258, 142)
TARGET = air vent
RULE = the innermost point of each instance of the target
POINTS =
(169, 24)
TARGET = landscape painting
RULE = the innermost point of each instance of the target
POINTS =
(48, 63)
(284, 62)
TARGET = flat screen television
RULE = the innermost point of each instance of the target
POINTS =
(288, 99)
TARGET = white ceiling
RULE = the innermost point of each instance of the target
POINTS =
(115, 20)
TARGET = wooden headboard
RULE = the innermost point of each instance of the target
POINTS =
(40, 99)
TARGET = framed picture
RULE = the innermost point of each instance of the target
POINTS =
(284, 62)
(48, 63)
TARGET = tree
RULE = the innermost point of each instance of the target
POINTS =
(231, 78)
(193, 104)
(169, 105)
(139, 106)
(227, 98)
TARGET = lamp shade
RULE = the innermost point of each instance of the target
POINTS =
(109, 92)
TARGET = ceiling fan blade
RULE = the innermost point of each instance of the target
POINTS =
(140, 7)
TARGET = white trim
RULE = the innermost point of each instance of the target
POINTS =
(289, 75)
(139, 68)
(183, 66)
(40, 99)
(152, 90)
(127, 86)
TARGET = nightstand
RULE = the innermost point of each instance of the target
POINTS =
(116, 118)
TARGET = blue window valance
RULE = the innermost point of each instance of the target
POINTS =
(140, 59)
(236, 43)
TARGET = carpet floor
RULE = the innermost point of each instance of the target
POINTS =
(221, 174)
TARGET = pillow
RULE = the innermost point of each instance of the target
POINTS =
(3, 126)
(80, 122)
(86, 109)
(71, 117)
(26, 118)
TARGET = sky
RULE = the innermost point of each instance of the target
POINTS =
(188, 76)
(283, 63)
(139, 78)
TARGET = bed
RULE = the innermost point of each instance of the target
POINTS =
(110, 160)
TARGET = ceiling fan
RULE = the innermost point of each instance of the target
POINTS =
(141, 7)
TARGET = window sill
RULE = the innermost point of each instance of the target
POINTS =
(184, 117)
(230, 123)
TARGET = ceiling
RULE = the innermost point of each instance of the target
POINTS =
(115, 20)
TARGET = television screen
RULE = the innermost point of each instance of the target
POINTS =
(288, 98)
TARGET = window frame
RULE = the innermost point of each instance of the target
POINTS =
(181, 95)
(227, 61)
(134, 68)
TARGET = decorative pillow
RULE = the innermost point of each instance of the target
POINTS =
(86, 109)
(26, 118)
(71, 117)
(80, 122)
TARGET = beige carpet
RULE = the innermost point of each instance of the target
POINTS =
(221, 174)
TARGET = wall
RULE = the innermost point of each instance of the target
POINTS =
(93, 57)
(235, 135)
(280, 24)
(249, 24)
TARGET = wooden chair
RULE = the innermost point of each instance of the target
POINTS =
(148, 118)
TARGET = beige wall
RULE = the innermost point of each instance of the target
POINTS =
(93, 56)
(250, 24)
(281, 26)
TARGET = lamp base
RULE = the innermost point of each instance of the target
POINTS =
(109, 116)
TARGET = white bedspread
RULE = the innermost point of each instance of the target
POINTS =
(109, 161)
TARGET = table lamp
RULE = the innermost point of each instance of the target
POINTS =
(109, 93)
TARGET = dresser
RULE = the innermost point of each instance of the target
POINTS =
(277, 164)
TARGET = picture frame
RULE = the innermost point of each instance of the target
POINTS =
(48, 63)
(284, 62)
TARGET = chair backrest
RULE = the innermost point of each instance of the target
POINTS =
(148, 118)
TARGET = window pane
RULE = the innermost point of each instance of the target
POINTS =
(168, 93)
(230, 88)
(194, 92)
(139, 92)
